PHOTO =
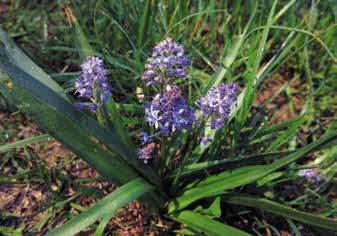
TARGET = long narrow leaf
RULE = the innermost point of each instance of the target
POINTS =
(285, 136)
(70, 134)
(25, 142)
(250, 86)
(144, 22)
(216, 184)
(279, 209)
(15, 55)
(59, 104)
(81, 41)
(206, 225)
(105, 207)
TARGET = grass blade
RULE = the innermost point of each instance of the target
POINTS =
(25, 142)
(250, 86)
(100, 228)
(206, 225)
(216, 184)
(232, 54)
(279, 209)
(106, 207)
(144, 22)
(285, 136)
(82, 43)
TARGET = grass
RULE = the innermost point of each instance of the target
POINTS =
(287, 47)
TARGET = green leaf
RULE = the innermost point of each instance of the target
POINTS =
(116, 124)
(144, 22)
(25, 142)
(15, 55)
(100, 228)
(232, 54)
(278, 127)
(286, 135)
(7, 231)
(70, 134)
(214, 210)
(269, 178)
(104, 208)
(206, 225)
(82, 43)
(216, 184)
(56, 103)
(253, 78)
(279, 209)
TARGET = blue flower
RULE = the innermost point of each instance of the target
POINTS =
(145, 137)
(312, 175)
(169, 111)
(92, 86)
(218, 103)
(168, 61)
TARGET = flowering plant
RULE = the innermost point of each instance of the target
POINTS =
(189, 151)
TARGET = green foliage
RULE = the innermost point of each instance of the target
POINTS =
(206, 225)
(288, 212)
(248, 42)
(105, 208)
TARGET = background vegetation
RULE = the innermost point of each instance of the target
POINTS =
(294, 104)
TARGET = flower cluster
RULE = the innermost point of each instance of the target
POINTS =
(168, 61)
(93, 84)
(311, 175)
(169, 111)
(145, 153)
(218, 103)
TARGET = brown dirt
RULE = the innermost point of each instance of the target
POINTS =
(281, 103)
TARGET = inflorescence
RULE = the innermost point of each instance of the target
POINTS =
(168, 61)
(92, 86)
(169, 111)
(311, 175)
(218, 103)
(146, 152)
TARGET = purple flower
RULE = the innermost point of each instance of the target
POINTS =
(145, 137)
(218, 103)
(145, 153)
(169, 111)
(93, 84)
(311, 175)
(168, 61)
(205, 140)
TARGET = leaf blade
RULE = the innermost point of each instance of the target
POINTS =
(216, 184)
(105, 207)
(15, 55)
(279, 209)
(71, 135)
(57, 103)
(206, 225)
(24, 142)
